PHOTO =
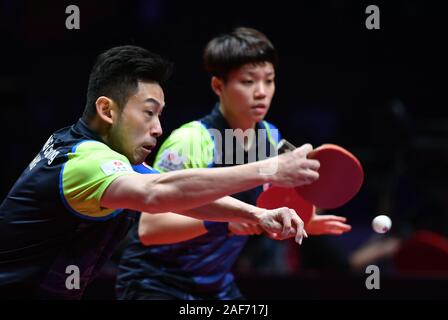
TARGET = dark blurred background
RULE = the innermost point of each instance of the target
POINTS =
(378, 93)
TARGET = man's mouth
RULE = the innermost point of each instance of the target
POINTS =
(148, 147)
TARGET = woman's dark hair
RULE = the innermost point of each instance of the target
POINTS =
(232, 50)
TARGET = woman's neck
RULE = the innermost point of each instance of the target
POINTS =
(246, 138)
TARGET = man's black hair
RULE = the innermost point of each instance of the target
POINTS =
(116, 74)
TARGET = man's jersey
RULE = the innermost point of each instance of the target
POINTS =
(52, 224)
(199, 267)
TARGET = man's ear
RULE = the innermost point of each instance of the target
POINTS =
(217, 85)
(106, 109)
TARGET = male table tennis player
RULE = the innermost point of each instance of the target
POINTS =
(70, 207)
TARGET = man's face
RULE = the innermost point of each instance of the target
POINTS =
(135, 130)
(248, 91)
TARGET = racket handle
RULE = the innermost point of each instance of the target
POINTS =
(285, 146)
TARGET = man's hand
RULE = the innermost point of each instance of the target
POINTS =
(244, 229)
(327, 224)
(282, 223)
(293, 168)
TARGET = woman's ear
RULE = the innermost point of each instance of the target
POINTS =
(217, 85)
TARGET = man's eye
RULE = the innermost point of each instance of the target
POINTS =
(149, 113)
(247, 82)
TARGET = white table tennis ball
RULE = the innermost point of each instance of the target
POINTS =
(381, 224)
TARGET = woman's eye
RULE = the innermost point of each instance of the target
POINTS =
(149, 113)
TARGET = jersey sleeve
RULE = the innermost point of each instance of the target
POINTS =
(190, 146)
(91, 167)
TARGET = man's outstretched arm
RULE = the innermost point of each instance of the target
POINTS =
(187, 189)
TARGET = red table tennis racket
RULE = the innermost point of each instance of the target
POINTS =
(277, 197)
(340, 177)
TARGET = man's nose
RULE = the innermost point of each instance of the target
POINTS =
(156, 129)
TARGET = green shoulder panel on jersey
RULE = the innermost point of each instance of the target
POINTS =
(190, 146)
(90, 169)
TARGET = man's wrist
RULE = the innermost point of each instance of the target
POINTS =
(256, 214)
(267, 170)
